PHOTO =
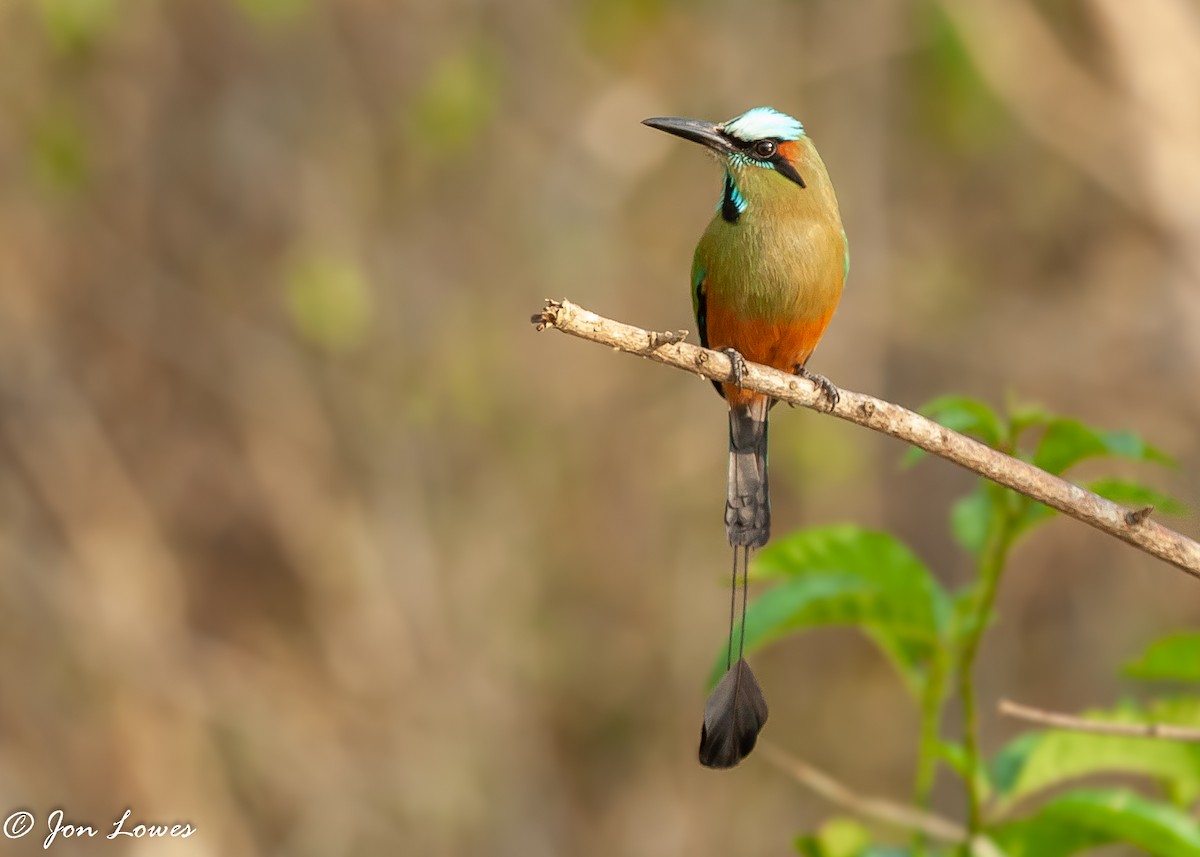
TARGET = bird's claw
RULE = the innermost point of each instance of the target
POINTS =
(738, 362)
(828, 391)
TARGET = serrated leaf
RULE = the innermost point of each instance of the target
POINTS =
(1136, 495)
(1175, 657)
(868, 555)
(961, 414)
(845, 575)
(1091, 817)
(814, 600)
(1066, 442)
(1039, 760)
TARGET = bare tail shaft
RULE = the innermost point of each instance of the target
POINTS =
(748, 504)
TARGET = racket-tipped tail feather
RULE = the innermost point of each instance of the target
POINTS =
(733, 716)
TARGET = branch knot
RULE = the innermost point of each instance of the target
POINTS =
(1138, 516)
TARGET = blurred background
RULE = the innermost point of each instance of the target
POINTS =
(307, 538)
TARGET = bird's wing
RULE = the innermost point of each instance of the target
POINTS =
(700, 307)
(700, 298)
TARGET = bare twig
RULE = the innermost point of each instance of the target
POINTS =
(876, 809)
(1082, 724)
(890, 419)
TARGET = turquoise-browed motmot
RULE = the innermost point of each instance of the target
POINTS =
(766, 279)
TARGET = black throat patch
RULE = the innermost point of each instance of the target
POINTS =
(729, 207)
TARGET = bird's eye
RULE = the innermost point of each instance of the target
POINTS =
(764, 149)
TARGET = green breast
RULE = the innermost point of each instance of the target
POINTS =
(775, 268)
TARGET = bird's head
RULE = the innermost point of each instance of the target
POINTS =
(761, 138)
(767, 160)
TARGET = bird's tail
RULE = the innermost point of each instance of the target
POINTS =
(748, 504)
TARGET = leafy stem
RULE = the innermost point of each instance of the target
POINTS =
(846, 574)
(990, 568)
(930, 739)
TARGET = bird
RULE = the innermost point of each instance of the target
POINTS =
(766, 278)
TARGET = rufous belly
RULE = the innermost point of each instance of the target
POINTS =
(783, 345)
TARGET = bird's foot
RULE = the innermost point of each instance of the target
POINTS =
(828, 391)
(739, 364)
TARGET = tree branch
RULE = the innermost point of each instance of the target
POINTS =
(1131, 526)
(1081, 724)
(876, 809)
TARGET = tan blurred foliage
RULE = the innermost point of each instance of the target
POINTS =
(308, 539)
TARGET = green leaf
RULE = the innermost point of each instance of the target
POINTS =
(838, 837)
(1032, 514)
(1024, 417)
(1091, 817)
(1066, 442)
(1175, 657)
(1176, 710)
(808, 845)
(845, 575)
(1007, 764)
(1039, 760)
(960, 414)
(1046, 837)
(1137, 496)
(969, 518)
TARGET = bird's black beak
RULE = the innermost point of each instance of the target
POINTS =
(706, 133)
